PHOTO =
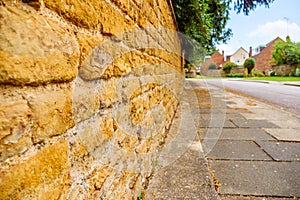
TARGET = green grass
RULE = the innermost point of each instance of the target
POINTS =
(275, 78)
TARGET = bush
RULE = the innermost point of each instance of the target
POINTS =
(249, 64)
(286, 52)
(212, 66)
(237, 75)
(257, 73)
(228, 66)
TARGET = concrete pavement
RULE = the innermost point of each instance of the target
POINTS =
(248, 150)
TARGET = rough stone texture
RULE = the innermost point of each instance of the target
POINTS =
(88, 93)
(285, 70)
(27, 56)
(43, 175)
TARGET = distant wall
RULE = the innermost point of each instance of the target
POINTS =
(84, 102)
(286, 70)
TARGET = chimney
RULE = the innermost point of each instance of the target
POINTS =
(250, 52)
(227, 58)
(223, 56)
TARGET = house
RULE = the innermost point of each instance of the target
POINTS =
(216, 58)
(239, 56)
(264, 56)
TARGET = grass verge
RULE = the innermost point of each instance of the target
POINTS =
(275, 78)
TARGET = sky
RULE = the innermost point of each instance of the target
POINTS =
(263, 25)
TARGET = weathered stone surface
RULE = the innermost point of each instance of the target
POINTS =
(86, 97)
(86, 44)
(96, 131)
(96, 180)
(109, 92)
(42, 175)
(35, 49)
(14, 127)
(51, 111)
(92, 15)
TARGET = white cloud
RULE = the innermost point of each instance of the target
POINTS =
(228, 49)
(271, 30)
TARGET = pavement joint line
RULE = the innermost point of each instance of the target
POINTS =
(247, 160)
(285, 141)
(268, 133)
(257, 196)
(234, 124)
(262, 149)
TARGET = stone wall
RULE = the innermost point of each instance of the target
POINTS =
(240, 70)
(286, 70)
(88, 93)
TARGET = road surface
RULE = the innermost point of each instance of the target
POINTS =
(285, 96)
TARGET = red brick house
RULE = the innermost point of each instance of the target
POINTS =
(216, 58)
(264, 57)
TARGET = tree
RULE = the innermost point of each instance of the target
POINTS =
(205, 20)
(249, 64)
(228, 66)
(286, 52)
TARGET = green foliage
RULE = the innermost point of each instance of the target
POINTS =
(212, 66)
(257, 73)
(205, 20)
(237, 75)
(286, 52)
(141, 196)
(228, 66)
(249, 64)
(247, 5)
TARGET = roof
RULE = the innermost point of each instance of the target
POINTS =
(238, 50)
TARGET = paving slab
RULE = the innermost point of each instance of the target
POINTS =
(215, 123)
(186, 178)
(284, 134)
(253, 123)
(253, 134)
(221, 115)
(287, 123)
(238, 150)
(265, 114)
(259, 178)
(281, 151)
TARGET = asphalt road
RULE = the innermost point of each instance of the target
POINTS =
(285, 96)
